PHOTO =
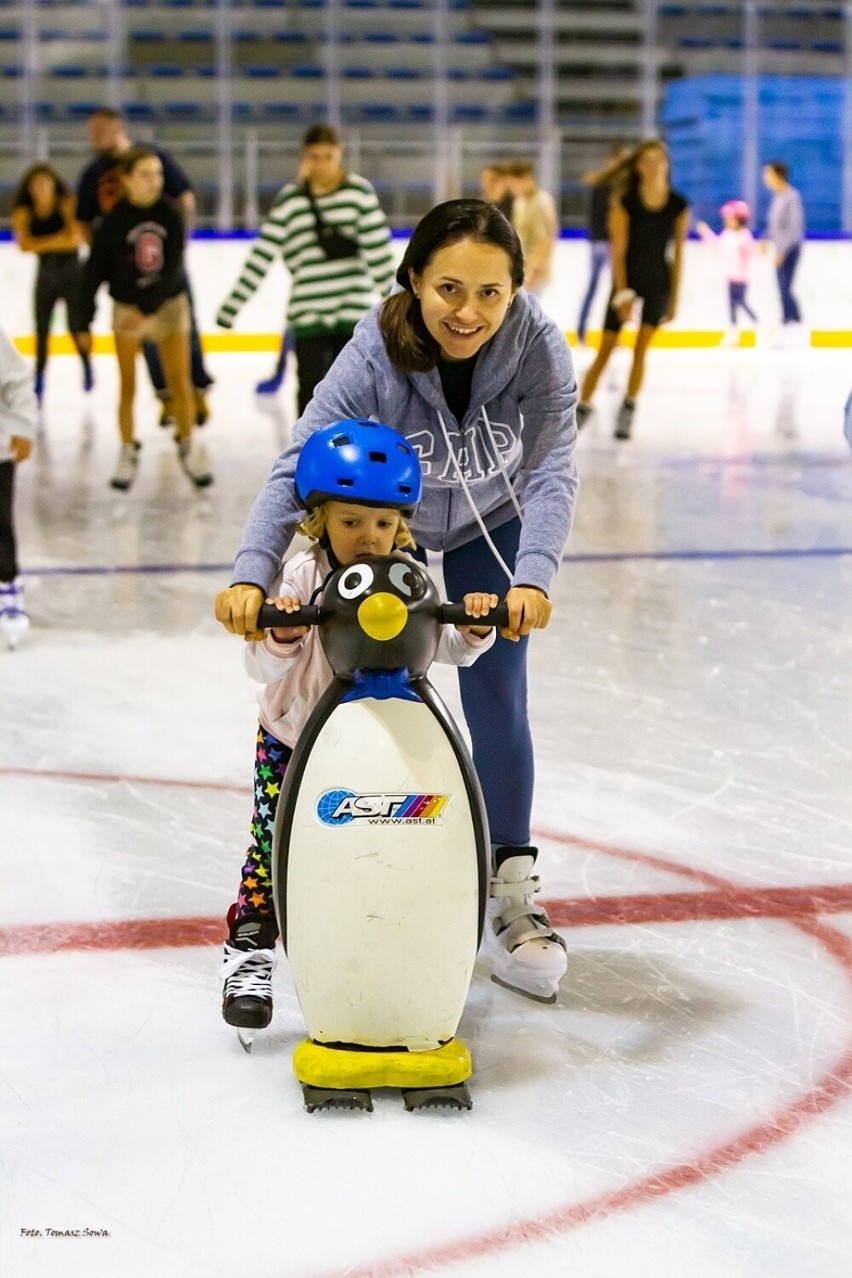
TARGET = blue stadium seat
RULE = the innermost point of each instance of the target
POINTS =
(519, 112)
(141, 112)
(379, 111)
(469, 113)
(282, 110)
(183, 110)
(82, 110)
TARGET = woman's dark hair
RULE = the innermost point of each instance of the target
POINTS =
(131, 158)
(630, 180)
(22, 199)
(410, 346)
(321, 135)
(779, 168)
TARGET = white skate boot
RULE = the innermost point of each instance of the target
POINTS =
(14, 619)
(526, 954)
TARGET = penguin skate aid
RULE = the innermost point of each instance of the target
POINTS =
(345, 804)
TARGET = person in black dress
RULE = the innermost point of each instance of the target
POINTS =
(600, 195)
(43, 223)
(648, 223)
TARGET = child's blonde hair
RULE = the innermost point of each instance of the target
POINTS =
(314, 523)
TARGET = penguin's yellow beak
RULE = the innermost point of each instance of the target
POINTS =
(382, 616)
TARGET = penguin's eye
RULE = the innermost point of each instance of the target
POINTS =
(356, 581)
(406, 581)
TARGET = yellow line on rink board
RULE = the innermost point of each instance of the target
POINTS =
(671, 339)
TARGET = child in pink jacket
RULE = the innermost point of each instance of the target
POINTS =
(737, 247)
(291, 666)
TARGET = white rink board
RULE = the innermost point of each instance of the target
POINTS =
(823, 285)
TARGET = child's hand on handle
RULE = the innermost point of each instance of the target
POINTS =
(237, 609)
(529, 609)
(477, 605)
(287, 634)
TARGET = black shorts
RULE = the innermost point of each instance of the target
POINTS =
(654, 296)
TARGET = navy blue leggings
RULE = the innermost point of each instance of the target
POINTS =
(494, 693)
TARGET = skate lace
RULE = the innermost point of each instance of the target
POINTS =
(248, 971)
(11, 601)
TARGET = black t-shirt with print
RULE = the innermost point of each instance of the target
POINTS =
(138, 252)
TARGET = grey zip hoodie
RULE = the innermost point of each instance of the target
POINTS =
(520, 428)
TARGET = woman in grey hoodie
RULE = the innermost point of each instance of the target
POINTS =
(466, 365)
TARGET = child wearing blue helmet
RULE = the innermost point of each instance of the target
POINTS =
(357, 481)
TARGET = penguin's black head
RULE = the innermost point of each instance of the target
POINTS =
(383, 616)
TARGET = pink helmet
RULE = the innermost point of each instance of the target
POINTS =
(736, 208)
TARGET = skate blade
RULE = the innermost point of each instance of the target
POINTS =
(456, 1097)
(13, 630)
(246, 1038)
(518, 989)
(336, 1098)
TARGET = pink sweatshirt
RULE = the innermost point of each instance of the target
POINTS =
(737, 248)
(295, 675)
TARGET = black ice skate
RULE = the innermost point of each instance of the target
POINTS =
(247, 967)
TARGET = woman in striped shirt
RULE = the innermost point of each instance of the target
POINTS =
(332, 288)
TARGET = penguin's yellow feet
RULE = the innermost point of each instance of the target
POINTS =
(350, 1070)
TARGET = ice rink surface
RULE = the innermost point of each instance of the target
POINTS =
(685, 1106)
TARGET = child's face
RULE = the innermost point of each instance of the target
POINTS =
(356, 531)
(731, 223)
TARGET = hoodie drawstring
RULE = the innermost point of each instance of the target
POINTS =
(466, 490)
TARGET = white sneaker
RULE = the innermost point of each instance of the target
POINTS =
(526, 955)
(731, 337)
(194, 461)
(14, 619)
(128, 464)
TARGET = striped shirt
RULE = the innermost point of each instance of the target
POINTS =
(326, 295)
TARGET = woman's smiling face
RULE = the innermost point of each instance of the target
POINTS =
(465, 291)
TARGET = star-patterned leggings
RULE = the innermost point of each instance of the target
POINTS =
(270, 764)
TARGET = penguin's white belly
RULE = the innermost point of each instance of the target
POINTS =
(382, 883)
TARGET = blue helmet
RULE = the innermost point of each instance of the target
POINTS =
(359, 461)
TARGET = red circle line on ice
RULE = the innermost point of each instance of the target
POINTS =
(718, 898)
